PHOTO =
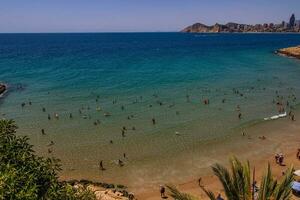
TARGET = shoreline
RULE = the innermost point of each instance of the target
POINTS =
(281, 136)
(288, 146)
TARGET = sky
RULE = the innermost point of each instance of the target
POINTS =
(136, 15)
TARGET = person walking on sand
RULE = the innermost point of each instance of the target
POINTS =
(199, 181)
(298, 154)
(162, 190)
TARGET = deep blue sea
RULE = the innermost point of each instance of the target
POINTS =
(115, 84)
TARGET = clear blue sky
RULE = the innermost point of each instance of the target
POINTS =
(136, 15)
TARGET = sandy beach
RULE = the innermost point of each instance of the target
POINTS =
(281, 136)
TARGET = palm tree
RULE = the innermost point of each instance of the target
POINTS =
(237, 184)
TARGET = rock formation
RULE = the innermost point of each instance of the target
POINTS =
(2, 88)
(290, 51)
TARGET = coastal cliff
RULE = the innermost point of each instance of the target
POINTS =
(231, 27)
(290, 51)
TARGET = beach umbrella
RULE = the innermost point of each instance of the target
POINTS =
(296, 186)
(297, 172)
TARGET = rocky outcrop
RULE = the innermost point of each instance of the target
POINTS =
(3, 88)
(290, 52)
(103, 191)
(198, 27)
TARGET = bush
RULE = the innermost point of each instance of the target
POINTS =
(26, 176)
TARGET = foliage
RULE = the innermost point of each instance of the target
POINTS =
(26, 176)
(236, 183)
(176, 194)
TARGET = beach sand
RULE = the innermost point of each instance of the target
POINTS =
(282, 136)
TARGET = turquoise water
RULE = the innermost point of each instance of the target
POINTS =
(165, 76)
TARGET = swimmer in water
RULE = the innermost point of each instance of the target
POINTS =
(153, 121)
(121, 163)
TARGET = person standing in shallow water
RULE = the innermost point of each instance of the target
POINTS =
(101, 165)
(153, 121)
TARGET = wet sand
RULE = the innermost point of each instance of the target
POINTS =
(282, 136)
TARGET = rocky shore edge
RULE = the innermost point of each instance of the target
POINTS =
(103, 191)
(3, 89)
(293, 52)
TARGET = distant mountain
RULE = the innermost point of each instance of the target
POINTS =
(231, 27)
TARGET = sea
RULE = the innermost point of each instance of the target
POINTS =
(148, 105)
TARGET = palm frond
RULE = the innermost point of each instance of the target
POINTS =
(209, 193)
(224, 176)
(177, 195)
(241, 178)
(267, 186)
(283, 189)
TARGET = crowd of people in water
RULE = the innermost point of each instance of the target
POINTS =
(281, 104)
